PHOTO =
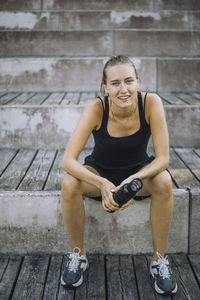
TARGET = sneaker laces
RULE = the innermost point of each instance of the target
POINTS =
(163, 263)
(74, 260)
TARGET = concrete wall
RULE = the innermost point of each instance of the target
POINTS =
(39, 227)
(65, 74)
(95, 4)
(48, 43)
(51, 126)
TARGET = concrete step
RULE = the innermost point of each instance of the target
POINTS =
(99, 20)
(95, 4)
(167, 43)
(48, 119)
(31, 220)
(57, 74)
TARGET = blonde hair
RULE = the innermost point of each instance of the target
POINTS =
(115, 60)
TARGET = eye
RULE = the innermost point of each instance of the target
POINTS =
(115, 83)
(129, 81)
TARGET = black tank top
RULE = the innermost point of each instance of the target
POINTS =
(125, 152)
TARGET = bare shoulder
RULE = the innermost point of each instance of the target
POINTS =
(153, 99)
(94, 105)
(94, 109)
(153, 103)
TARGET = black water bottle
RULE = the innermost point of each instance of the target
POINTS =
(127, 192)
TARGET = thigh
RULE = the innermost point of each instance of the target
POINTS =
(88, 189)
(150, 185)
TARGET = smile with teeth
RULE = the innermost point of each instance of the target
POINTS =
(124, 97)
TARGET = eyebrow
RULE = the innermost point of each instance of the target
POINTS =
(125, 79)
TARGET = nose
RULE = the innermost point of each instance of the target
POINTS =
(123, 87)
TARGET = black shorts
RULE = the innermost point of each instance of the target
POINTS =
(118, 175)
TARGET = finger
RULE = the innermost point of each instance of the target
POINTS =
(126, 205)
(108, 206)
(110, 202)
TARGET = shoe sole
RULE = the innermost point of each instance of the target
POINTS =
(159, 291)
(76, 284)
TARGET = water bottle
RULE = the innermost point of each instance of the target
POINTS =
(127, 191)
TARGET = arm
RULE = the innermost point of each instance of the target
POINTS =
(159, 131)
(88, 121)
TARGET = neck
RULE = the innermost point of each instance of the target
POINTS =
(125, 112)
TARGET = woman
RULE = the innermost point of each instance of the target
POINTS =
(121, 123)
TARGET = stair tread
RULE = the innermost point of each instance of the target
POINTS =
(38, 170)
(74, 98)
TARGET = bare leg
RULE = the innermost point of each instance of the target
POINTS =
(161, 211)
(73, 208)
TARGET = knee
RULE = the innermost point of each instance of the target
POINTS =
(162, 184)
(70, 187)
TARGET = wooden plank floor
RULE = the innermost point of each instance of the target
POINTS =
(109, 277)
(67, 98)
(31, 170)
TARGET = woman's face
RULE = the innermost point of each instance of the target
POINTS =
(122, 84)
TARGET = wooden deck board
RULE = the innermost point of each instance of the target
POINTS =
(22, 98)
(109, 277)
(80, 98)
(56, 174)
(8, 280)
(52, 281)
(121, 283)
(37, 99)
(54, 98)
(171, 99)
(195, 263)
(38, 172)
(191, 160)
(6, 156)
(16, 170)
(8, 97)
(188, 98)
(182, 176)
(188, 286)
(31, 170)
(71, 98)
(31, 279)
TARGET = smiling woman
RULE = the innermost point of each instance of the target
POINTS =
(121, 122)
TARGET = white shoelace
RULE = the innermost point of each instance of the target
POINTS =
(74, 260)
(163, 266)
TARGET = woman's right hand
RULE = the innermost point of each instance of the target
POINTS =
(108, 202)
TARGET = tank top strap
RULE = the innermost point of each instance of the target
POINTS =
(141, 109)
(105, 114)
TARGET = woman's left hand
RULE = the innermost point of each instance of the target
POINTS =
(118, 188)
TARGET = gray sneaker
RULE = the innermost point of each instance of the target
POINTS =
(165, 282)
(73, 273)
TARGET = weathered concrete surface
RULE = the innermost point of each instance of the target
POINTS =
(87, 20)
(95, 4)
(50, 126)
(20, 4)
(181, 75)
(176, 116)
(194, 246)
(33, 127)
(95, 43)
(31, 222)
(158, 43)
(65, 74)
(56, 43)
(177, 4)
